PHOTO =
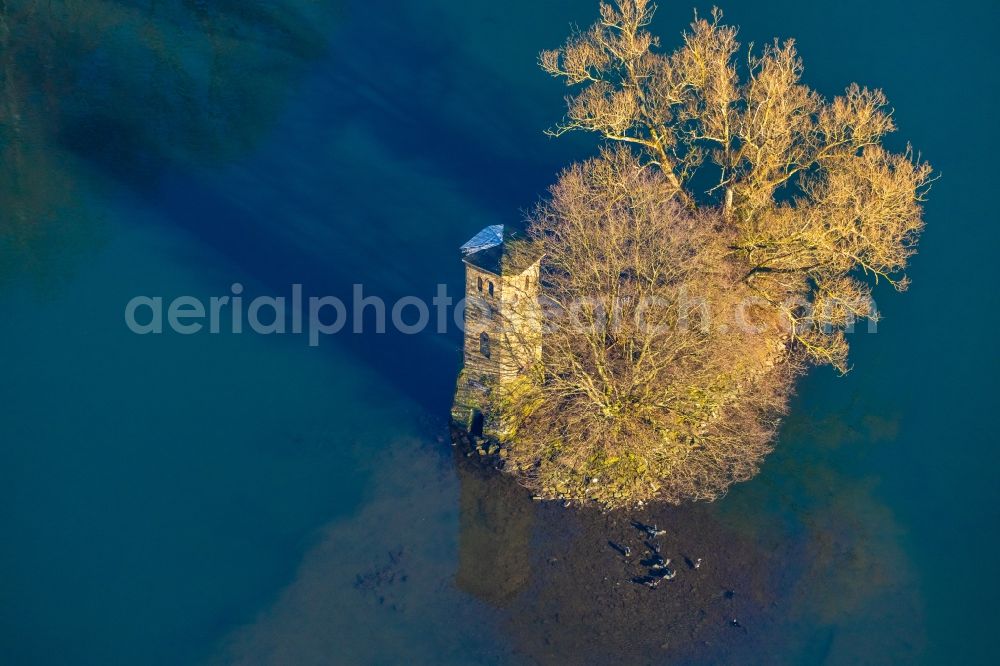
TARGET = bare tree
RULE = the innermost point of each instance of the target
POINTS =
(647, 385)
(806, 184)
(717, 247)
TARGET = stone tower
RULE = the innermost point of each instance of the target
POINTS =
(502, 321)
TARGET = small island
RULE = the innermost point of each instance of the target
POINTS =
(640, 340)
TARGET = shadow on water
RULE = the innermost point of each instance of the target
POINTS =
(142, 82)
(294, 212)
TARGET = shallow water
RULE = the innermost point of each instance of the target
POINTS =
(248, 499)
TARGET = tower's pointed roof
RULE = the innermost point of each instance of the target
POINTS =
(492, 250)
(490, 236)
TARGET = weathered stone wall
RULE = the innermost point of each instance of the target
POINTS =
(510, 317)
(478, 371)
(481, 316)
(521, 322)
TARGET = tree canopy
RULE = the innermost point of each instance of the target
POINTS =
(806, 182)
(724, 187)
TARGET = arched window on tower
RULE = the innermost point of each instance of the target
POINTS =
(484, 345)
(491, 287)
(480, 284)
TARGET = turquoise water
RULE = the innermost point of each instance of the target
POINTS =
(230, 498)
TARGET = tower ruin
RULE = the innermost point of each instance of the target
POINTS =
(502, 321)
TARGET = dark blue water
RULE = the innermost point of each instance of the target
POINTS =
(182, 499)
